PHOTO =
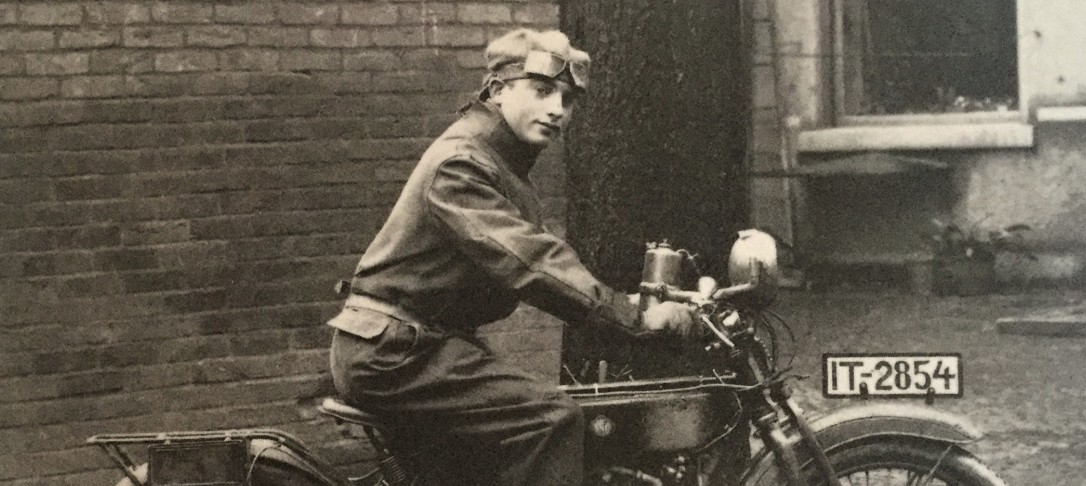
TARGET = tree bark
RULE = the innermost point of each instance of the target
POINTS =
(655, 151)
(656, 148)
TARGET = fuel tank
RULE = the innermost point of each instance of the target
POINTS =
(626, 419)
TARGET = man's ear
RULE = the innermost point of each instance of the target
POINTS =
(495, 88)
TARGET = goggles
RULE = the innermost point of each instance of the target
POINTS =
(551, 65)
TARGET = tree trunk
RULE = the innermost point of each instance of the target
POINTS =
(655, 151)
(657, 146)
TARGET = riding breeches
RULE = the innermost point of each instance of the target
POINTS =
(476, 419)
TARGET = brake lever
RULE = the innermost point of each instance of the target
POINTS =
(733, 291)
(699, 299)
(719, 334)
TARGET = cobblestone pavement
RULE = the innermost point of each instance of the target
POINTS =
(1026, 392)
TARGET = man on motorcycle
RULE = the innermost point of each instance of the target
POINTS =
(462, 247)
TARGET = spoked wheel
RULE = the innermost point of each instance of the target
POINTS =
(899, 462)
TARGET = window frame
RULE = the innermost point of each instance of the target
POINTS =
(841, 95)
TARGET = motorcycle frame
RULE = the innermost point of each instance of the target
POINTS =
(774, 406)
(834, 430)
(792, 444)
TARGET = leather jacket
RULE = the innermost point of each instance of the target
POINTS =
(465, 241)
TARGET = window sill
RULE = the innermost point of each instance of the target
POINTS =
(1061, 114)
(917, 137)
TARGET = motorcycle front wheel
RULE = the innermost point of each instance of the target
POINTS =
(896, 461)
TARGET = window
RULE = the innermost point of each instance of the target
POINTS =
(897, 59)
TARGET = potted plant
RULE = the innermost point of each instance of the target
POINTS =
(963, 260)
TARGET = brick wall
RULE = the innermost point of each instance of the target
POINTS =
(181, 183)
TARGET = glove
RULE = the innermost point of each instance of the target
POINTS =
(673, 317)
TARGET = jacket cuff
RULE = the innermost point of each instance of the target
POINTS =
(615, 309)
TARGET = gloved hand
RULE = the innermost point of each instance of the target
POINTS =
(672, 317)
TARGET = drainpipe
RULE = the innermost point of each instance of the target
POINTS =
(786, 122)
(746, 33)
(838, 102)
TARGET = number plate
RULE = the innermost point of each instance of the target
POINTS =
(891, 375)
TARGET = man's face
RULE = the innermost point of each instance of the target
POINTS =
(537, 109)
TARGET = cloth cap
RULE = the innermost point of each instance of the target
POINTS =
(505, 55)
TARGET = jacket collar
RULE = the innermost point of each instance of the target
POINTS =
(485, 123)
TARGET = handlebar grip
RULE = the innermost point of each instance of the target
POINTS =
(733, 291)
(667, 292)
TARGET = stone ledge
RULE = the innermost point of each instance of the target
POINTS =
(917, 137)
(1061, 114)
(1060, 322)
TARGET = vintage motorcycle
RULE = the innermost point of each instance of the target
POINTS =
(663, 431)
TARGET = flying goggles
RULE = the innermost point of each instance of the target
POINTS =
(551, 65)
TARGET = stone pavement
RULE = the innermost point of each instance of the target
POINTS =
(1026, 391)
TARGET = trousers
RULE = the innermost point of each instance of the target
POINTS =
(479, 419)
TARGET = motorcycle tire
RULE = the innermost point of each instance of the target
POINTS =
(892, 461)
(265, 473)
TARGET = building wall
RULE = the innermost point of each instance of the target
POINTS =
(792, 62)
(183, 181)
(769, 199)
(987, 188)
(1044, 187)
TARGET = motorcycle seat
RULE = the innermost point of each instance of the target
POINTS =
(337, 408)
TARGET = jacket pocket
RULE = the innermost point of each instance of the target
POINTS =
(361, 322)
(395, 346)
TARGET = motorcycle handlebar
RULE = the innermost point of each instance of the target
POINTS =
(667, 292)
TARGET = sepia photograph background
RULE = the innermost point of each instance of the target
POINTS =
(183, 182)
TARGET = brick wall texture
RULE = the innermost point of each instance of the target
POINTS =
(181, 182)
